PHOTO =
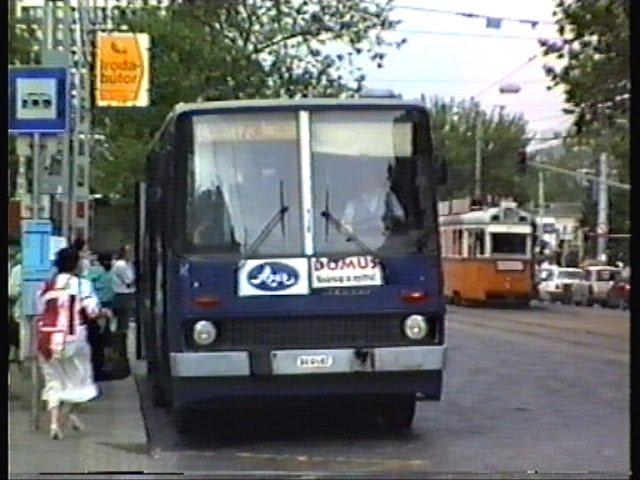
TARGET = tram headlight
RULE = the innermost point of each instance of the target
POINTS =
(204, 332)
(416, 327)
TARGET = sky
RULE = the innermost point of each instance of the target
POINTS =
(466, 58)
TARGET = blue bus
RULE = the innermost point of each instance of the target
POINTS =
(289, 249)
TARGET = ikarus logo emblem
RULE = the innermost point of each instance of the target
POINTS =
(273, 276)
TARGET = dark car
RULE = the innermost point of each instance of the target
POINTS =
(618, 295)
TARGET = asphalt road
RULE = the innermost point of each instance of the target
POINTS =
(544, 389)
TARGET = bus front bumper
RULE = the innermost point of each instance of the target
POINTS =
(311, 361)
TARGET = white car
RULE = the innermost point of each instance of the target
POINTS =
(598, 282)
(556, 283)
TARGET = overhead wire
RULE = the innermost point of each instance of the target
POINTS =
(533, 22)
(445, 80)
(501, 79)
(466, 34)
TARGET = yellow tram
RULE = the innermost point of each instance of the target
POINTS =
(487, 253)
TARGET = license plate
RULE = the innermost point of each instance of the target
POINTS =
(314, 361)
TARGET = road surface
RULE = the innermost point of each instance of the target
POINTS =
(544, 389)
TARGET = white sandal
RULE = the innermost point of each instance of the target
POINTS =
(56, 432)
(76, 423)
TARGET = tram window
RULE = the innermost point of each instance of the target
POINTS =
(454, 244)
(510, 243)
(476, 243)
(457, 242)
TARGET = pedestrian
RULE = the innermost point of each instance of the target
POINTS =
(68, 304)
(99, 274)
(15, 286)
(100, 277)
(123, 282)
(82, 247)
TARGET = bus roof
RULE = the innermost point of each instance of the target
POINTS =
(293, 103)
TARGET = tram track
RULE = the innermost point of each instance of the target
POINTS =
(589, 342)
(553, 320)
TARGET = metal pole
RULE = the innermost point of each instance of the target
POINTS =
(579, 175)
(478, 173)
(35, 214)
(603, 207)
(35, 209)
(70, 139)
(540, 204)
(541, 194)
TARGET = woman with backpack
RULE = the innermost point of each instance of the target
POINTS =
(63, 351)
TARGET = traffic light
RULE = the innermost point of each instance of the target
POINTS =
(522, 160)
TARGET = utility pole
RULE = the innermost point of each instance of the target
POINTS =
(55, 48)
(541, 194)
(603, 208)
(477, 191)
(540, 204)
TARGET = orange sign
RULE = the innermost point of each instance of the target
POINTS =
(122, 70)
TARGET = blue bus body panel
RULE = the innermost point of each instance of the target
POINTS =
(216, 278)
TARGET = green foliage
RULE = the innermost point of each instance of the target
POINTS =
(21, 39)
(235, 50)
(595, 50)
(595, 76)
(454, 128)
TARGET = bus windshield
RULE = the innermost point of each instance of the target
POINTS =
(243, 170)
(244, 185)
(365, 167)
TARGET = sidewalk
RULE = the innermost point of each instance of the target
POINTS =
(115, 439)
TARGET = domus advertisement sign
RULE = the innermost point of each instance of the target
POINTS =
(122, 70)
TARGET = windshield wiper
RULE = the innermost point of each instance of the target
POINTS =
(278, 217)
(348, 234)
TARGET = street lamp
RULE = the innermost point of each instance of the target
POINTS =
(509, 88)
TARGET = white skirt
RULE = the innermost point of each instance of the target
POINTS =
(69, 379)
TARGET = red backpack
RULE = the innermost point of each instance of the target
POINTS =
(51, 332)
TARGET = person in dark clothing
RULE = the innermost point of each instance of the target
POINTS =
(98, 332)
(123, 284)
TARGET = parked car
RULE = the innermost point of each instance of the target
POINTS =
(598, 282)
(618, 295)
(556, 283)
(620, 291)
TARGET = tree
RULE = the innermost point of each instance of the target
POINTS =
(454, 127)
(595, 76)
(235, 50)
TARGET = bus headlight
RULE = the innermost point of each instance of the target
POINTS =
(416, 327)
(204, 332)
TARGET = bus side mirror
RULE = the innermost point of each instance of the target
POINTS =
(442, 171)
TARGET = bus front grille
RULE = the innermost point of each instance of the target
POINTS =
(316, 332)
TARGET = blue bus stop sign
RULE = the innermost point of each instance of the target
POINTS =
(36, 262)
(38, 99)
